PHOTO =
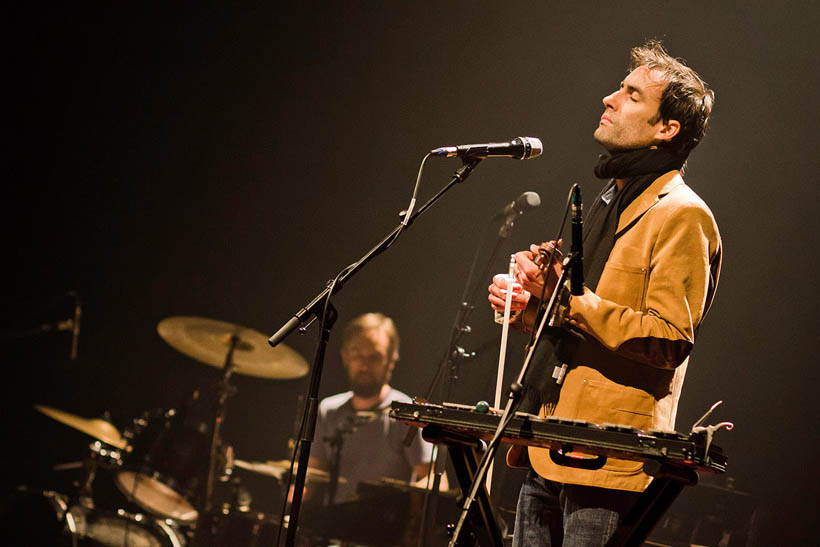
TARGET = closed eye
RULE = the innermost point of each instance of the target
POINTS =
(635, 94)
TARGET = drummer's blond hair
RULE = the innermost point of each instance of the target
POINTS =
(373, 320)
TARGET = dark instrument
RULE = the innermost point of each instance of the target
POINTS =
(671, 458)
(462, 421)
(234, 350)
(163, 471)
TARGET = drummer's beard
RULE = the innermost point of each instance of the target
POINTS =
(367, 384)
(366, 387)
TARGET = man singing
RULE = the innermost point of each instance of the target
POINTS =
(652, 256)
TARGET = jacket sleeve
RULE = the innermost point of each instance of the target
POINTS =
(682, 275)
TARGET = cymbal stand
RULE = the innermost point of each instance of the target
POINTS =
(85, 493)
(224, 390)
(97, 452)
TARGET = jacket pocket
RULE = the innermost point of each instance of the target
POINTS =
(624, 285)
(601, 402)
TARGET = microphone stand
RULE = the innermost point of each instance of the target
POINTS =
(336, 442)
(454, 355)
(310, 313)
(516, 390)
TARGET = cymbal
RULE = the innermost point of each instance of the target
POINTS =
(208, 341)
(96, 427)
(280, 469)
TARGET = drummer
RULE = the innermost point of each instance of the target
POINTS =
(355, 438)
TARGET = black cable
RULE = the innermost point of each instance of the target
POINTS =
(408, 213)
(541, 303)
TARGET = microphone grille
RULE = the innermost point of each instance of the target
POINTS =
(527, 201)
(533, 147)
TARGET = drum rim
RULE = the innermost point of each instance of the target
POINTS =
(148, 523)
(163, 482)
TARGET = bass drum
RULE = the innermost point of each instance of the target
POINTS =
(33, 518)
(93, 528)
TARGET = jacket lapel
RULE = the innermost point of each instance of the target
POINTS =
(658, 189)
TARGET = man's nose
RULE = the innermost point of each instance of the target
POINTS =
(610, 101)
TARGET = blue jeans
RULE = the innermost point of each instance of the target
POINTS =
(555, 514)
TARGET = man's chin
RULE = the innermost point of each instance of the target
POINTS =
(602, 140)
(366, 391)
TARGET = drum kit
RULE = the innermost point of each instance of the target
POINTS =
(166, 465)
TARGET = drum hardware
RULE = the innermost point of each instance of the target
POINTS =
(233, 349)
(105, 451)
(100, 456)
(163, 472)
(157, 461)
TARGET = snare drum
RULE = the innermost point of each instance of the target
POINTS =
(168, 464)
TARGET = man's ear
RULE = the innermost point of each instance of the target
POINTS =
(668, 130)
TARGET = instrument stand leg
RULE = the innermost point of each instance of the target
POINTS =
(669, 480)
(480, 522)
(465, 461)
(429, 508)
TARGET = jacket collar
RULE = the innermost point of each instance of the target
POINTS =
(651, 196)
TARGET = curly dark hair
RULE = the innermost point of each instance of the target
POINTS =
(687, 98)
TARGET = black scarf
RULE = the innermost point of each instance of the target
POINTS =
(640, 167)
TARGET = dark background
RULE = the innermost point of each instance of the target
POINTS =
(226, 162)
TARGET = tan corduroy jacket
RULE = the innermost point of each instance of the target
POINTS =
(640, 325)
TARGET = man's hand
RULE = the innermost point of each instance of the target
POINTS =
(498, 294)
(420, 471)
(529, 279)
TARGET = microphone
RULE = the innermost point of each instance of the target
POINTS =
(522, 204)
(521, 148)
(75, 325)
(576, 279)
(525, 202)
